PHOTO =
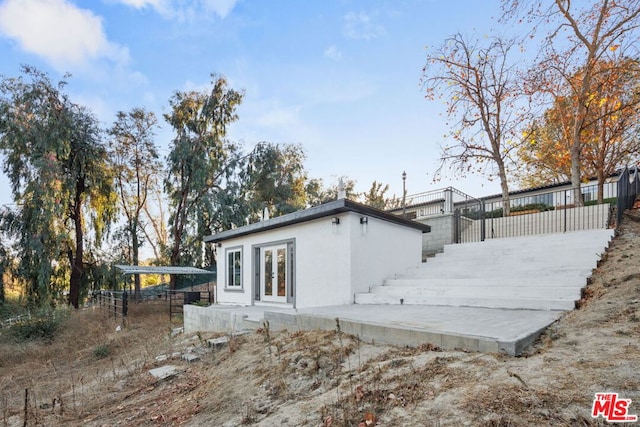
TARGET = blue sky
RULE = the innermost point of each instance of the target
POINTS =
(339, 77)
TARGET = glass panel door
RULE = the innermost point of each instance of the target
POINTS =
(273, 273)
(267, 275)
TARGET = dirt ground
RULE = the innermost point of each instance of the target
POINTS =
(91, 375)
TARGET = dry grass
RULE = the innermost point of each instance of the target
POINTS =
(89, 375)
(64, 377)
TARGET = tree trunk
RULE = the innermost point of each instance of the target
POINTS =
(575, 174)
(179, 223)
(77, 267)
(175, 253)
(601, 179)
(504, 186)
(1, 284)
(135, 249)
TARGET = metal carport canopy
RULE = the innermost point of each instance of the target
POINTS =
(153, 269)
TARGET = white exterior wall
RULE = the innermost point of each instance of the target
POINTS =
(323, 265)
(332, 262)
(233, 296)
(380, 249)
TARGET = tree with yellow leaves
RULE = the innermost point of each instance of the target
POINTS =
(609, 137)
(580, 38)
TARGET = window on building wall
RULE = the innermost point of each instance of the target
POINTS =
(234, 268)
(590, 193)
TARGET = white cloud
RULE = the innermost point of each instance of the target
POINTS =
(219, 7)
(279, 117)
(361, 26)
(184, 10)
(139, 4)
(332, 52)
(62, 33)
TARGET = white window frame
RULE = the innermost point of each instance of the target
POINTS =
(231, 276)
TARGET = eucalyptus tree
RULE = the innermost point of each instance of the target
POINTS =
(200, 162)
(60, 180)
(155, 232)
(137, 168)
(274, 178)
(318, 193)
(377, 197)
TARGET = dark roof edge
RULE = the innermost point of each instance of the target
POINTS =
(321, 211)
(554, 185)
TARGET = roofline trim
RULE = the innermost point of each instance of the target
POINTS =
(320, 211)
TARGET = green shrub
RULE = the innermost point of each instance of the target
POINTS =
(611, 200)
(42, 326)
(497, 213)
(101, 351)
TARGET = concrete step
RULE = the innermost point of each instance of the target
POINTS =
(491, 272)
(575, 256)
(540, 292)
(578, 281)
(578, 256)
(598, 239)
(508, 303)
(558, 248)
(534, 241)
(527, 273)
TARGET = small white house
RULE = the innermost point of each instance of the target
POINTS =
(317, 257)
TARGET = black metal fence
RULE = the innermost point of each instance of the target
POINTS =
(542, 213)
(628, 186)
(112, 303)
(116, 303)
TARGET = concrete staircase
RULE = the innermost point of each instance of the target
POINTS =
(541, 272)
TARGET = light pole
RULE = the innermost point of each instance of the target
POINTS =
(404, 194)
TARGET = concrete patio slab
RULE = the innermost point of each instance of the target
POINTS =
(464, 328)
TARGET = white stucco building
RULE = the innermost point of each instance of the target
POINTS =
(316, 257)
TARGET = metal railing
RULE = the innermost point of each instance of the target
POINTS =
(433, 202)
(543, 213)
(112, 303)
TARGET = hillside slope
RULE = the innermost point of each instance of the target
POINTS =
(329, 378)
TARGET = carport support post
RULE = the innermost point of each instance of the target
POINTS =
(125, 303)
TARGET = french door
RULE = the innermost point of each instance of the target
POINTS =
(273, 273)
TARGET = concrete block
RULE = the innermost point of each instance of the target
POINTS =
(218, 342)
(190, 357)
(164, 372)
